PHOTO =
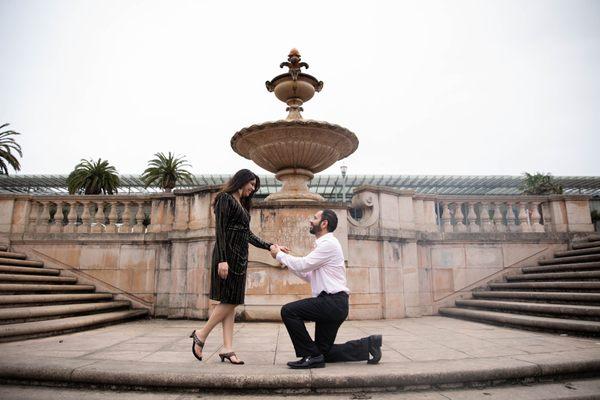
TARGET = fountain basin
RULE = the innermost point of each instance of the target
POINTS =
(294, 150)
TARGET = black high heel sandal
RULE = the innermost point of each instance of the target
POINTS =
(228, 356)
(198, 342)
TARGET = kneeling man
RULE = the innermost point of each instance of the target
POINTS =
(328, 308)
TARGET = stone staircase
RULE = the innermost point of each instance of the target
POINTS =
(37, 301)
(561, 294)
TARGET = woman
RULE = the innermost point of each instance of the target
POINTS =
(230, 259)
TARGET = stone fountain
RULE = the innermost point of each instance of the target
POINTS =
(294, 148)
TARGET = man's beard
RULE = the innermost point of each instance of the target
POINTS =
(312, 229)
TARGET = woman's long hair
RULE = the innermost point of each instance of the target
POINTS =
(237, 181)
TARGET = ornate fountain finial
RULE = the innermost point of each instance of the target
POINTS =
(294, 88)
(294, 64)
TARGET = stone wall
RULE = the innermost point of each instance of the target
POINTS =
(406, 254)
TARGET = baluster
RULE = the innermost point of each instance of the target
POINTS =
(498, 220)
(446, 219)
(138, 225)
(111, 227)
(126, 218)
(43, 224)
(459, 226)
(472, 217)
(34, 216)
(85, 218)
(511, 225)
(535, 218)
(98, 226)
(523, 218)
(58, 218)
(71, 227)
(486, 223)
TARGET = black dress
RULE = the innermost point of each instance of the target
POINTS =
(232, 237)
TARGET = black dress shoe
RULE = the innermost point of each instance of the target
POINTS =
(308, 362)
(375, 349)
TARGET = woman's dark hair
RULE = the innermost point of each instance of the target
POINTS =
(331, 218)
(237, 181)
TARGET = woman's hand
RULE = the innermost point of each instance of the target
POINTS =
(223, 269)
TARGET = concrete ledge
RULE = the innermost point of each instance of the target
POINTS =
(384, 376)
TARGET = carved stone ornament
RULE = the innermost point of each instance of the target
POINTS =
(368, 204)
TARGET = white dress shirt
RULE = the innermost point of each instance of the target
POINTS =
(323, 267)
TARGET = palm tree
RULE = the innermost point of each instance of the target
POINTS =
(164, 171)
(7, 146)
(539, 183)
(91, 177)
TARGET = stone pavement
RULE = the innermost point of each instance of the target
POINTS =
(417, 353)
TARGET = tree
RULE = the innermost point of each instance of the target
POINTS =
(539, 183)
(164, 171)
(8, 145)
(91, 177)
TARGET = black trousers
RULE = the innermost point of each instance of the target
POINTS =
(328, 311)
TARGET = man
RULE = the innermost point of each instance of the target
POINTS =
(328, 308)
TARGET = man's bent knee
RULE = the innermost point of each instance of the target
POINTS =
(285, 312)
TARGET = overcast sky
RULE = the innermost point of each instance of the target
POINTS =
(429, 87)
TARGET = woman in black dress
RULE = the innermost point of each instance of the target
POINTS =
(230, 259)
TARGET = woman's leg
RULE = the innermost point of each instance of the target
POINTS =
(220, 312)
(228, 324)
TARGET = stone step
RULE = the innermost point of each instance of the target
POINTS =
(561, 285)
(23, 263)
(24, 287)
(61, 310)
(555, 275)
(568, 310)
(54, 326)
(562, 267)
(36, 278)
(528, 321)
(589, 298)
(570, 260)
(569, 253)
(3, 248)
(9, 254)
(13, 269)
(585, 245)
(32, 299)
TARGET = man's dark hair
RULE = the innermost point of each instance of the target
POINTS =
(331, 218)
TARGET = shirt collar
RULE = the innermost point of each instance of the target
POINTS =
(328, 234)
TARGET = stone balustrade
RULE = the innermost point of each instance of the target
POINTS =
(389, 210)
(121, 214)
(476, 214)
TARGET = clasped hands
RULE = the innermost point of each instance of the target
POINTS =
(223, 267)
(275, 248)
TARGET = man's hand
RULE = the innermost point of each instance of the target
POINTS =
(284, 249)
(274, 250)
(223, 270)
